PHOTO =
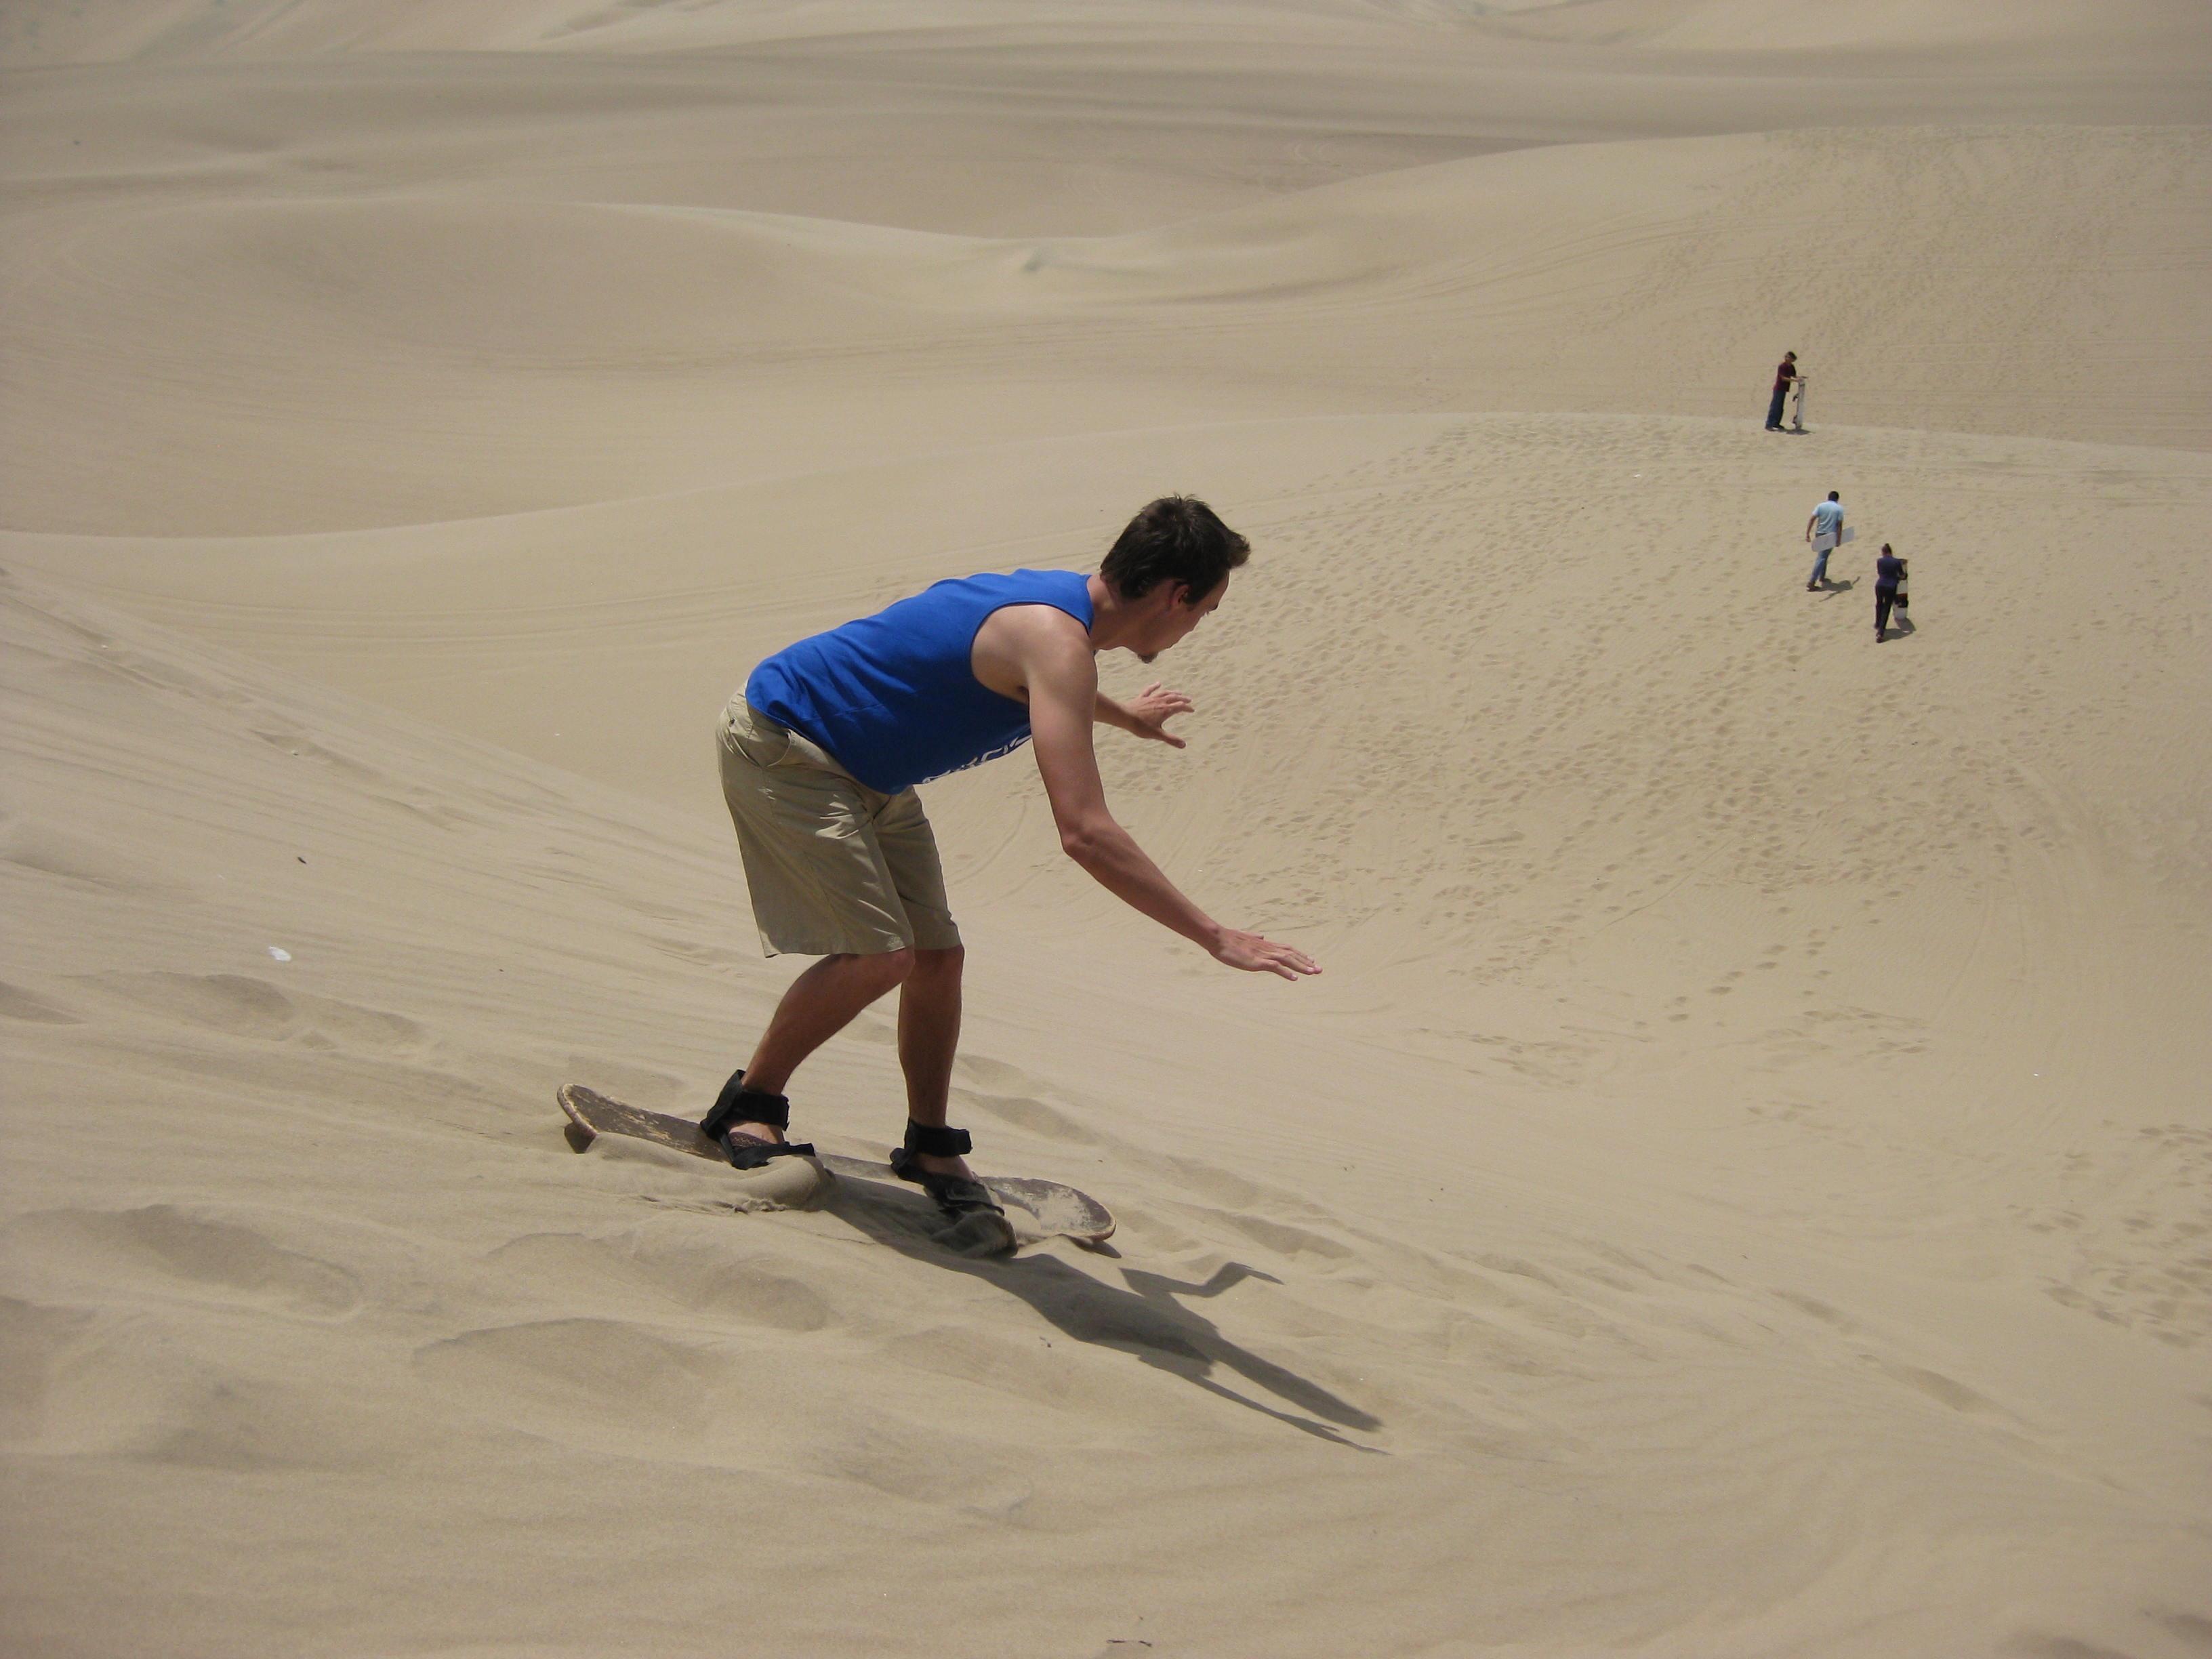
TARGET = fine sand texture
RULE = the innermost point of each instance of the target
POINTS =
(1742, 1187)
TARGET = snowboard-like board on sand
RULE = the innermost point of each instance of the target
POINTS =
(1036, 1209)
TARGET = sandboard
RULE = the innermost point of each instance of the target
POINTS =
(1037, 1209)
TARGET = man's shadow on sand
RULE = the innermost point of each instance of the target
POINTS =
(1145, 1320)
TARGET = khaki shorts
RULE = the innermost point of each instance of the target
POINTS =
(834, 866)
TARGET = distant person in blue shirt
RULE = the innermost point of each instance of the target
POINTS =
(821, 752)
(1824, 530)
(1888, 590)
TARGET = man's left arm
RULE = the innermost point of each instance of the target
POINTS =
(1145, 714)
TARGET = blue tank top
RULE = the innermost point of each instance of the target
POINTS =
(894, 696)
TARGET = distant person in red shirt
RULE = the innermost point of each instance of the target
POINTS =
(1785, 376)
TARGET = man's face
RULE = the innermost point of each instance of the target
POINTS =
(1178, 614)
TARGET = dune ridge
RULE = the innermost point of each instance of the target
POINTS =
(676, 348)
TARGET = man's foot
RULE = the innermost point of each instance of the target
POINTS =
(932, 1159)
(746, 1151)
(947, 1180)
(952, 1168)
(750, 1125)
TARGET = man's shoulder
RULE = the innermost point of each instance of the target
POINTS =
(1038, 616)
(1035, 634)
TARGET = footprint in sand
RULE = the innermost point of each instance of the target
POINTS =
(78, 1381)
(164, 1252)
(746, 1291)
(71, 855)
(17, 1004)
(238, 1005)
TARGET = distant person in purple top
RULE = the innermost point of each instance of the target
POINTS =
(1785, 376)
(821, 752)
(1888, 590)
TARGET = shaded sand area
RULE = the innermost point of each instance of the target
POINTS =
(1739, 1188)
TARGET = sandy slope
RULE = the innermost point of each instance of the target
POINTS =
(1738, 1189)
(304, 1277)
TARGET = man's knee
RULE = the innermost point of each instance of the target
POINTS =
(886, 969)
(939, 965)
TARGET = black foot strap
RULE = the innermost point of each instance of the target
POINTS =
(751, 1152)
(739, 1104)
(936, 1140)
(957, 1195)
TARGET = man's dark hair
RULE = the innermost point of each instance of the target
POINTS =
(1177, 539)
(1833, 496)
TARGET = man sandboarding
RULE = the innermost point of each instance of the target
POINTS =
(821, 752)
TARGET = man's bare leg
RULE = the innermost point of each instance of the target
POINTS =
(928, 1037)
(820, 1003)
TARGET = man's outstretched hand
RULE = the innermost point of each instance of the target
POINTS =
(1257, 955)
(1153, 708)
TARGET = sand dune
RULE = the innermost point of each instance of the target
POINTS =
(2078, 28)
(337, 364)
(169, 30)
(1738, 1190)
